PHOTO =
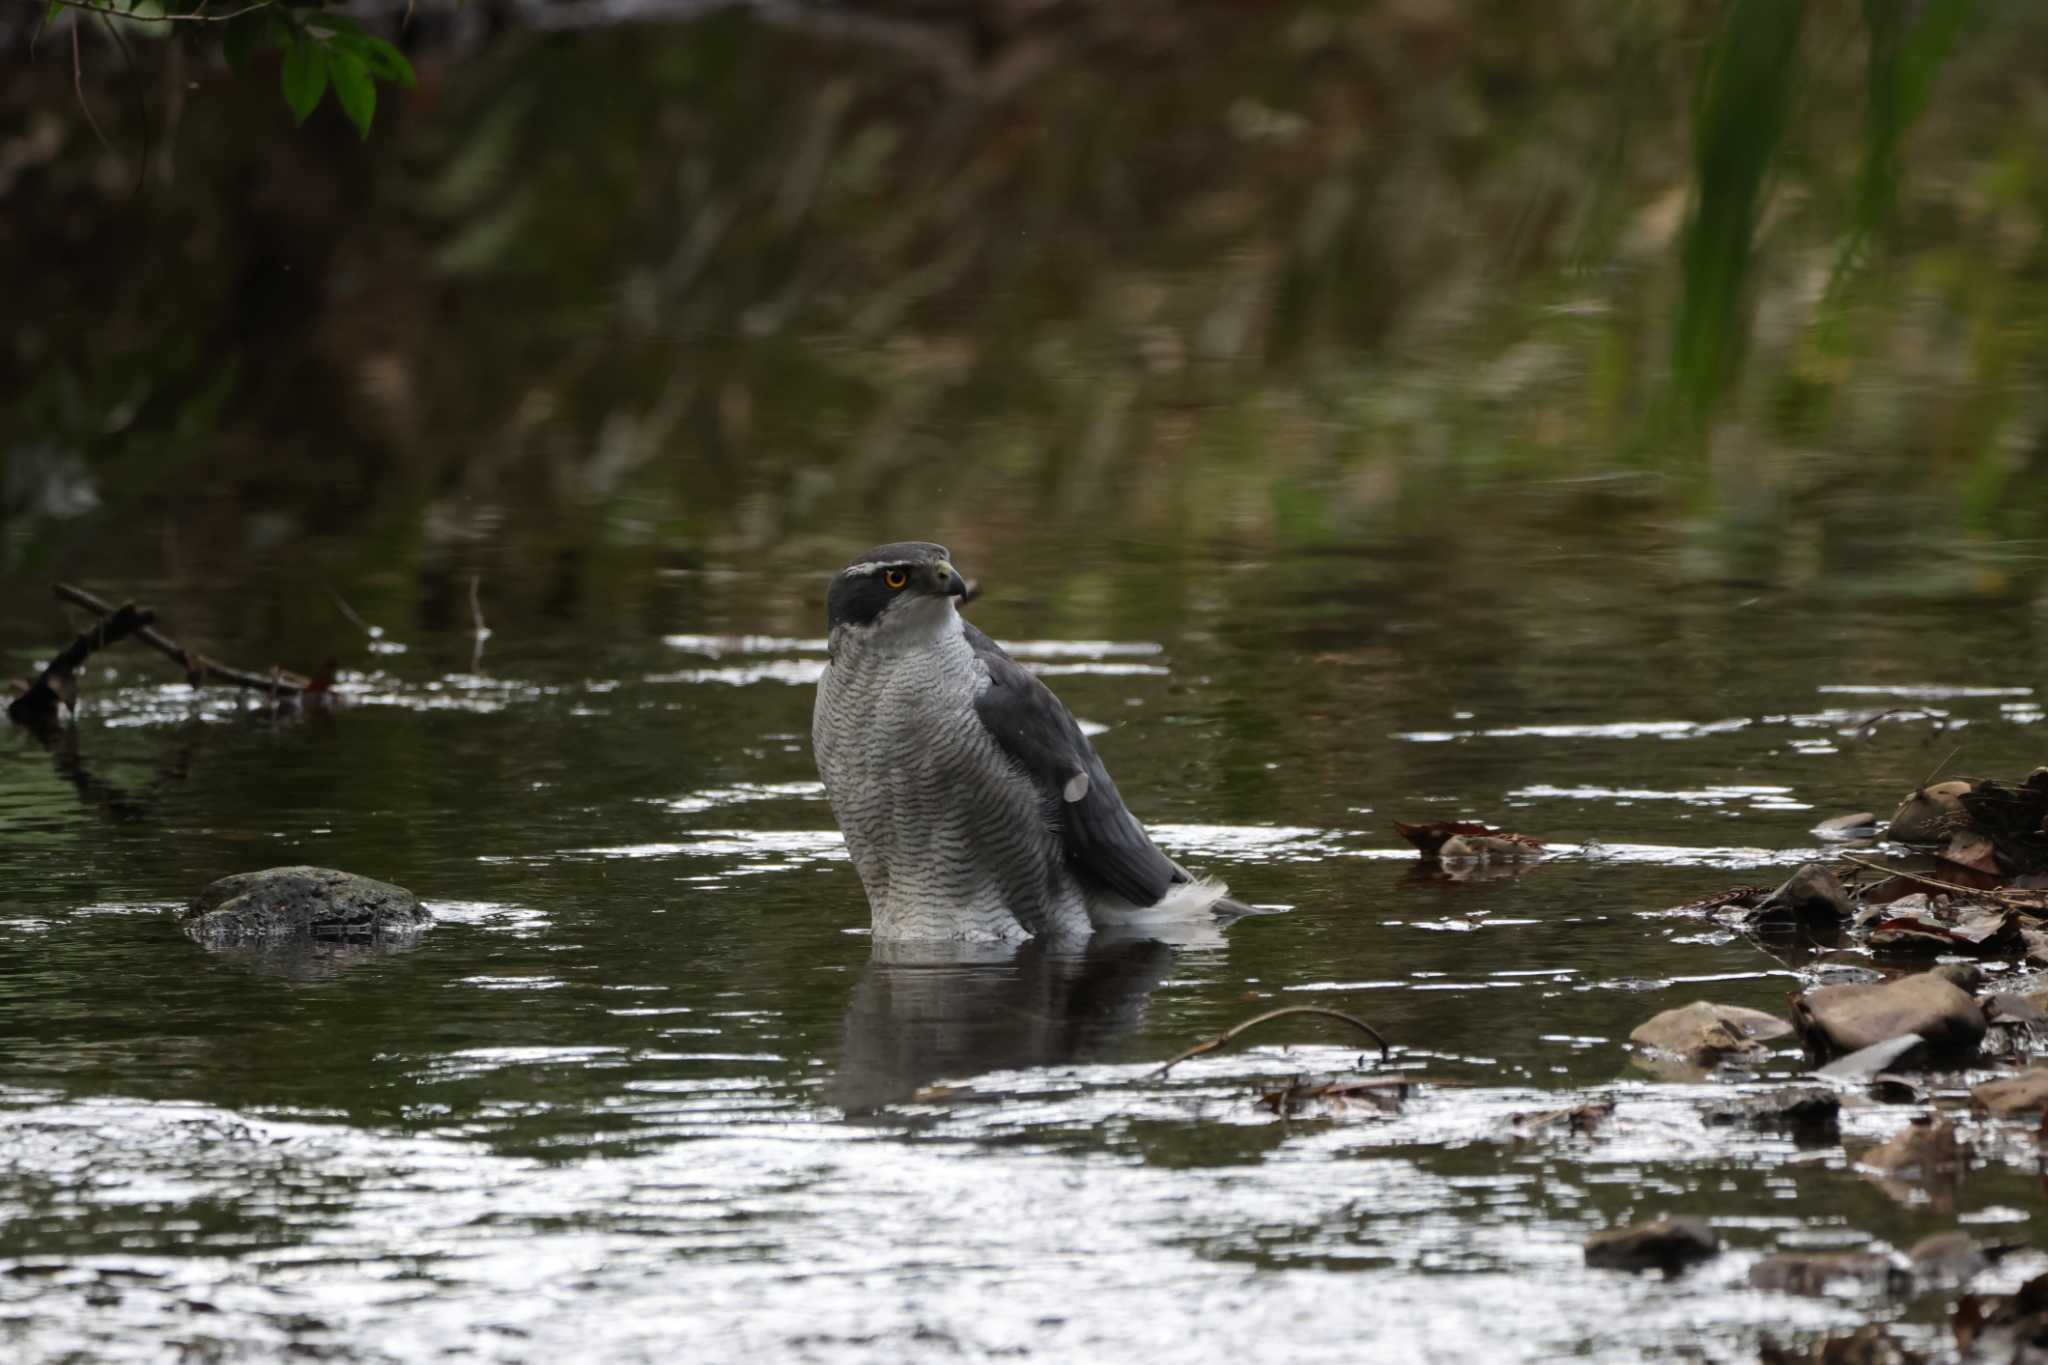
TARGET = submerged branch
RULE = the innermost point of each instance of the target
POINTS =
(42, 698)
(198, 667)
(1224, 1037)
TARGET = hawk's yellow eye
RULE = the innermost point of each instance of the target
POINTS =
(895, 578)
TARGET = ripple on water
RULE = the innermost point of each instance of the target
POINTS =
(741, 793)
(482, 1061)
(1923, 691)
(795, 672)
(1615, 729)
(1250, 843)
(1700, 796)
(512, 983)
(149, 704)
(517, 921)
(716, 646)
(1081, 656)
(788, 848)
(763, 1225)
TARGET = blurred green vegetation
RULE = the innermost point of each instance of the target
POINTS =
(1193, 273)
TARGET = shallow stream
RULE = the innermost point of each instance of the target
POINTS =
(647, 1092)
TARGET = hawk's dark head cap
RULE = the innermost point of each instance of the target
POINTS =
(864, 589)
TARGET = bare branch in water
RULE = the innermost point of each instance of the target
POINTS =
(198, 667)
(1224, 1037)
(39, 703)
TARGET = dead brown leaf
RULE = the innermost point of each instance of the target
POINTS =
(1935, 924)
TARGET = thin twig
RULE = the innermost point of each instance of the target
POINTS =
(1938, 767)
(1220, 1039)
(198, 668)
(193, 18)
(1869, 725)
(476, 611)
(78, 88)
(374, 632)
(41, 699)
(141, 105)
(2019, 900)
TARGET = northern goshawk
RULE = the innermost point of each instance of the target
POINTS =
(973, 805)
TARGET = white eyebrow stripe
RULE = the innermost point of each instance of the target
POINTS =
(852, 570)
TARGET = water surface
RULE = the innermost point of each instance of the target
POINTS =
(648, 1092)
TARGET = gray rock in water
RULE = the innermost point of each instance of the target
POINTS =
(1861, 824)
(1872, 1060)
(1669, 1245)
(1707, 1033)
(1836, 1020)
(2010, 1096)
(1808, 1112)
(1928, 815)
(1815, 1273)
(1953, 1259)
(1811, 895)
(282, 905)
(1926, 1147)
(1870, 1344)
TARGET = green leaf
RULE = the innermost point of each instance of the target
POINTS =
(354, 88)
(56, 8)
(305, 75)
(387, 63)
(1749, 85)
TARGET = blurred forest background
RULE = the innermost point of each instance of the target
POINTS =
(655, 282)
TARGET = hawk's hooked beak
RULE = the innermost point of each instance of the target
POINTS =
(948, 580)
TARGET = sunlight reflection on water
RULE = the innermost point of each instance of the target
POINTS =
(635, 1096)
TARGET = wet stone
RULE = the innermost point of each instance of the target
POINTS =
(282, 905)
(1954, 1258)
(1668, 1244)
(1860, 825)
(1927, 816)
(1705, 1032)
(1926, 1148)
(1808, 1112)
(1831, 1272)
(1836, 1020)
(1810, 895)
(1871, 1344)
(1964, 976)
(1872, 1060)
(2026, 1093)
(2022, 1010)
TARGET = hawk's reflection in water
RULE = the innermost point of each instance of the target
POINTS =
(927, 1011)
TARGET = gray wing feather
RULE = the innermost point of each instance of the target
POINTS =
(1103, 840)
